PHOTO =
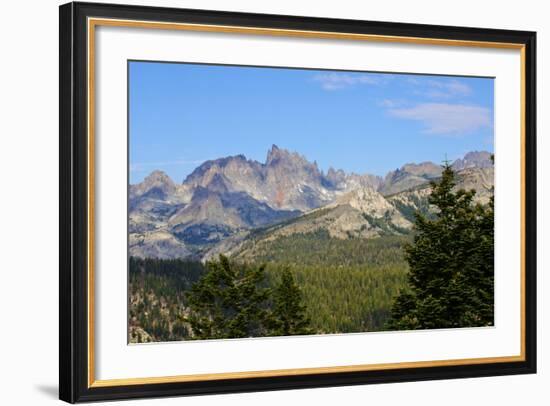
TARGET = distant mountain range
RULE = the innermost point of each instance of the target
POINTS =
(226, 202)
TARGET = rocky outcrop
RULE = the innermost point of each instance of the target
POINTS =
(157, 244)
(409, 176)
(362, 213)
(474, 159)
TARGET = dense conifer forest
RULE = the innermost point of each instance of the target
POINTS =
(345, 285)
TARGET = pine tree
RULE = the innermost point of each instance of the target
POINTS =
(451, 263)
(229, 302)
(289, 313)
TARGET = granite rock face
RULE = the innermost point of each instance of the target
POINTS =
(223, 201)
(474, 159)
(286, 181)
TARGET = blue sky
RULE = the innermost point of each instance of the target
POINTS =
(182, 115)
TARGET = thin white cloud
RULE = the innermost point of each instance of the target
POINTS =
(145, 166)
(446, 119)
(441, 89)
(458, 88)
(391, 103)
(336, 81)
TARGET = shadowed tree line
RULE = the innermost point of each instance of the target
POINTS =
(187, 300)
(234, 301)
(451, 261)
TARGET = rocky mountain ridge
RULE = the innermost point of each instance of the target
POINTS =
(286, 181)
(223, 201)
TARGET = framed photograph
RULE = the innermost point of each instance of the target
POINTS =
(256, 202)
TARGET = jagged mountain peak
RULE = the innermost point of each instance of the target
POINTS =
(335, 172)
(409, 176)
(474, 159)
(158, 176)
(274, 154)
(156, 185)
(412, 175)
(214, 166)
(277, 155)
(426, 169)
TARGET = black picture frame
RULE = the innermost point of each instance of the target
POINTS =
(74, 199)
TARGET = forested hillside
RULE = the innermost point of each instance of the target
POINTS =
(157, 298)
(347, 285)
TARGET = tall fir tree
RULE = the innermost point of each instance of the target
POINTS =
(229, 301)
(451, 261)
(289, 312)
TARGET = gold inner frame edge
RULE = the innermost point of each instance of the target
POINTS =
(94, 22)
